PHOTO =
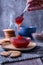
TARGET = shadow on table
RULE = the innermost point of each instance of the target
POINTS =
(36, 50)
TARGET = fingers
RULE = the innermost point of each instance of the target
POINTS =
(35, 8)
(34, 1)
(34, 5)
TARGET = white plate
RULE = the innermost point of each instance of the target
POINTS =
(11, 47)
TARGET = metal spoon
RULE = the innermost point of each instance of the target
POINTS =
(25, 10)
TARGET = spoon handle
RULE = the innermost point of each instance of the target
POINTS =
(25, 10)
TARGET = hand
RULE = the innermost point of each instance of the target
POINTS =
(34, 4)
(30, 1)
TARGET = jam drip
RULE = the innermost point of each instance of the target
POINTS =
(19, 20)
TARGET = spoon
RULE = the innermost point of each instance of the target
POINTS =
(25, 10)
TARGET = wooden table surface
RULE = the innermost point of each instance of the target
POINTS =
(27, 62)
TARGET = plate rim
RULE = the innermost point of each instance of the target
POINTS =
(22, 49)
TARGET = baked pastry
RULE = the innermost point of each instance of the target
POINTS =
(15, 54)
(4, 53)
(4, 41)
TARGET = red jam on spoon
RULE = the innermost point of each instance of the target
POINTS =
(19, 20)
